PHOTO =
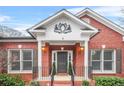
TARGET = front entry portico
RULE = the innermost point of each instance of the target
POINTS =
(62, 56)
(63, 29)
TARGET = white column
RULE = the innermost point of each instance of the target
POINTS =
(39, 59)
(86, 60)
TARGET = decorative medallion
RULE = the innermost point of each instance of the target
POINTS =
(62, 28)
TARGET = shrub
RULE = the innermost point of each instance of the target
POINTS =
(54, 69)
(7, 80)
(34, 83)
(109, 81)
(85, 83)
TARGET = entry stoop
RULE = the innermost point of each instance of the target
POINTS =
(62, 83)
(62, 80)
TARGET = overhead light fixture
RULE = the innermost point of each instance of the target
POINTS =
(19, 46)
(123, 38)
(62, 48)
(103, 46)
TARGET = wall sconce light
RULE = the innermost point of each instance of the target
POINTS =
(81, 48)
(62, 48)
(19, 46)
(123, 38)
(43, 48)
(103, 46)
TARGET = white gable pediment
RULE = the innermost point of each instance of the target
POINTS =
(62, 26)
(62, 32)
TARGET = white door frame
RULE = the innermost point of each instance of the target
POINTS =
(54, 56)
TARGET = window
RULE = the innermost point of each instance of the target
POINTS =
(15, 59)
(102, 60)
(20, 60)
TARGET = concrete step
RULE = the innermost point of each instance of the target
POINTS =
(62, 78)
(62, 74)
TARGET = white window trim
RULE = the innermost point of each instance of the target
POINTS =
(105, 71)
(19, 71)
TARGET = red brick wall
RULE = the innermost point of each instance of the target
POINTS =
(79, 60)
(106, 36)
(25, 45)
(46, 60)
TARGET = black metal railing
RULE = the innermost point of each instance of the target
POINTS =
(79, 71)
(75, 71)
(35, 72)
(90, 72)
(45, 72)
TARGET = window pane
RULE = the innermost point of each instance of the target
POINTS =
(14, 55)
(27, 55)
(27, 65)
(14, 59)
(96, 65)
(107, 65)
(108, 55)
(96, 54)
(15, 66)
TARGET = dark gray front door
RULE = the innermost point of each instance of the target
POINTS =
(62, 62)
